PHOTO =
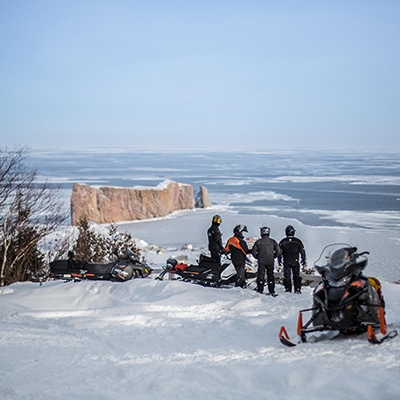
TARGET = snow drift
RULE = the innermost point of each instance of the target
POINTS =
(149, 339)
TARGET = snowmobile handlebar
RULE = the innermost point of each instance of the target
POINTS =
(363, 253)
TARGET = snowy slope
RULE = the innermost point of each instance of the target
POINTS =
(191, 227)
(149, 339)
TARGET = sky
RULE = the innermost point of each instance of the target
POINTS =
(215, 74)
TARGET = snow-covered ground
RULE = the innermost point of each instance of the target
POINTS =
(150, 339)
(190, 227)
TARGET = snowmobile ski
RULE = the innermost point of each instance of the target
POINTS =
(284, 338)
(374, 339)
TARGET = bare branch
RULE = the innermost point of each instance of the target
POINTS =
(28, 212)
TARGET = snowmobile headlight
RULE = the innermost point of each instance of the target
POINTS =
(341, 282)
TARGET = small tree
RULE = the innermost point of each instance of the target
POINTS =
(120, 241)
(31, 262)
(95, 247)
(29, 211)
(90, 245)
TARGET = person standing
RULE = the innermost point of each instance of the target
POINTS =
(291, 250)
(238, 249)
(214, 235)
(265, 250)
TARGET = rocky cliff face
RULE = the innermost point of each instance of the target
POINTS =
(202, 199)
(113, 204)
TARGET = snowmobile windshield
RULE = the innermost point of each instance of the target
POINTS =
(337, 261)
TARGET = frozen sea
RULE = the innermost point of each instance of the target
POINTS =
(327, 195)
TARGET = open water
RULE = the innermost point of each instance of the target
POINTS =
(318, 188)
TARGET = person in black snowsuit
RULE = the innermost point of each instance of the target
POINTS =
(214, 235)
(291, 250)
(265, 250)
(238, 249)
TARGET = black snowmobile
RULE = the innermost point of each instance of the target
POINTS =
(207, 272)
(345, 300)
(124, 268)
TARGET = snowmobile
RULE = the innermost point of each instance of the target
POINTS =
(207, 272)
(124, 268)
(345, 300)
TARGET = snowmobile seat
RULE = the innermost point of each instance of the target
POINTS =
(208, 262)
(59, 266)
(204, 258)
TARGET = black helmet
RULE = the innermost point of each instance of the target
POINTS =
(216, 219)
(264, 231)
(290, 231)
(239, 229)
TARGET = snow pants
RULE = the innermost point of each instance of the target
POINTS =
(261, 278)
(291, 270)
(240, 275)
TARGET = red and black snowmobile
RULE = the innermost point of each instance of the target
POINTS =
(207, 272)
(124, 268)
(345, 300)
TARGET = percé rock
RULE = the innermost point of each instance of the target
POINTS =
(114, 204)
(202, 199)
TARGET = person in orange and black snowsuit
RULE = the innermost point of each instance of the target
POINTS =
(214, 235)
(238, 249)
(291, 248)
(265, 250)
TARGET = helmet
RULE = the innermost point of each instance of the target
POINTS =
(290, 231)
(239, 229)
(264, 231)
(216, 219)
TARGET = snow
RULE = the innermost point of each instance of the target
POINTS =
(173, 232)
(151, 339)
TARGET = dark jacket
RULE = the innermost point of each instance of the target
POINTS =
(291, 248)
(214, 235)
(265, 250)
(238, 249)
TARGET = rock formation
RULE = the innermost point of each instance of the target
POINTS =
(202, 199)
(114, 204)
